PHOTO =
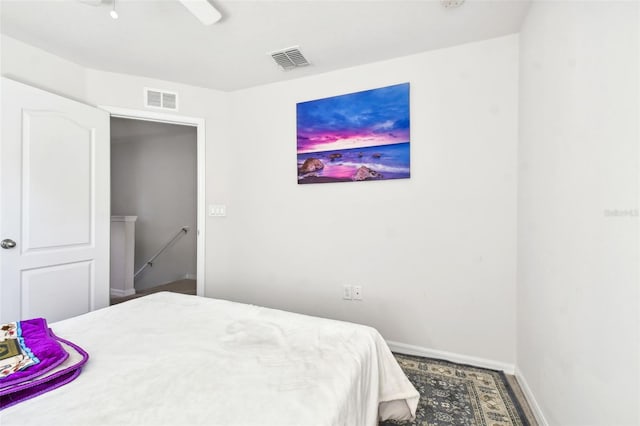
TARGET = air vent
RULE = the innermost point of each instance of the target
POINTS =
(289, 58)
(154, 98)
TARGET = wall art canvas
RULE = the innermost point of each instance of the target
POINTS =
(356, 137)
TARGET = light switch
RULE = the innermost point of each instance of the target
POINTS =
(217, 210)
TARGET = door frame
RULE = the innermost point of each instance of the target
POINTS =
(199, 124)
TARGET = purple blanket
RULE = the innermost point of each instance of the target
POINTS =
(50, 373)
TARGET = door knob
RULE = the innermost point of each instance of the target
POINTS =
(7, 244)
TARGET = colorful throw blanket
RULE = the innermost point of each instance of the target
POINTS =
(33, 361)
(14, 354)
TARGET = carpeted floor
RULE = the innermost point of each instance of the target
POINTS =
(455, 394)
(181, 286)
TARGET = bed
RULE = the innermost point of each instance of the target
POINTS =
(172, 359)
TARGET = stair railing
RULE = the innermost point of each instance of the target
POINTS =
(173, 239)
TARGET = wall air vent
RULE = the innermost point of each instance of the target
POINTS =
(161, 99)
(289, 58)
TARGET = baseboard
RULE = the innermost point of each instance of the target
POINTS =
(404, 348)
(190, 277)
(116, 292)
(531, 399)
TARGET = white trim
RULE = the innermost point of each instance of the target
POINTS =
(638, 205)
(199, 123)
(116, 292)
(404, 348)
(531, 399)
(124, 218)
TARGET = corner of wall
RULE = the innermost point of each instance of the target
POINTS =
(531, 398)
(38, 68)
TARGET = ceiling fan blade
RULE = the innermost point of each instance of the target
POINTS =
(203, 10)
(91, 2)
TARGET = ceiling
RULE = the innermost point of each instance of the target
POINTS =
(161, 39)
(125, 130)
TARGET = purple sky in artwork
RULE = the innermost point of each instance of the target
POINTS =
(369, 118)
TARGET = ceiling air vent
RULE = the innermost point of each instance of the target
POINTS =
(161, 99)
(289, 58)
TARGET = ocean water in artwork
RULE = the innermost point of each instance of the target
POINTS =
(344, 165)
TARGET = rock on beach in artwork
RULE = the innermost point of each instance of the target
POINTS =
(365, 173)
(311, 165)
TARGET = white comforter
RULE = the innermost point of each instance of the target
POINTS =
(170, 359)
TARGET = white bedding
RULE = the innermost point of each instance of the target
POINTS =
(170, 359)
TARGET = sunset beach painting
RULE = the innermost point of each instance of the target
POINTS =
(356, 137)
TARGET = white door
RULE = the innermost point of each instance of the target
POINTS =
(54, 205)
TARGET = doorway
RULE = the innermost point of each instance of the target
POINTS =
(157, 164)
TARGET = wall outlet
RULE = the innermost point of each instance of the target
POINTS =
(347, 292)
(357, 292)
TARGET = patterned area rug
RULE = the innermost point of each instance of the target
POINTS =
(456, 394)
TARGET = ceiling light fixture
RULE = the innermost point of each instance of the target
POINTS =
(113, 12)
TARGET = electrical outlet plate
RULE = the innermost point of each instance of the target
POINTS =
(347, 292)
(217, 210)
(357, 292)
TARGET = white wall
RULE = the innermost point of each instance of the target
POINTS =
(41, 69)
(435, 254)
(153, 176)
(577, 265)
